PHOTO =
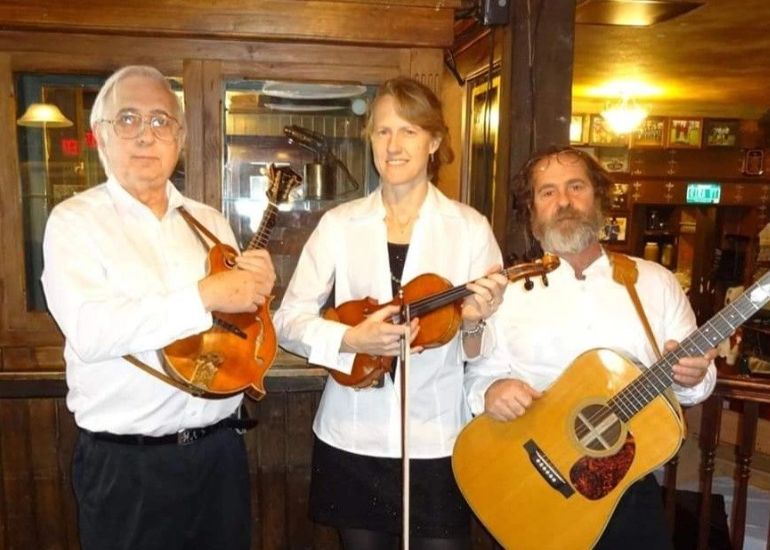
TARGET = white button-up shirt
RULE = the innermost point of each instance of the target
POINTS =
(540, 332)
(348, 252)
(119, 281)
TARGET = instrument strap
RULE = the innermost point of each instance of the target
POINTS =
(625, 272)
(198, 228)
(200, 231)
(188, 388)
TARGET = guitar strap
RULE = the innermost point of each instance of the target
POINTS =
(200, 230)
(624, 271)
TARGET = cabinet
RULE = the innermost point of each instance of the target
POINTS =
(317, 131)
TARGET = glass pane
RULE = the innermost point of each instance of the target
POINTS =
(483, 116)
(55, 162)
(314, 129)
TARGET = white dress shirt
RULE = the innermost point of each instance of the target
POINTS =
(540, 332)
(119, 281)
(348, 252)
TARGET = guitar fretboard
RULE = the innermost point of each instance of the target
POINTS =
(655, 380)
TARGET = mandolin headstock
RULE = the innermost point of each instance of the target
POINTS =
(282, 180)
(539, 268)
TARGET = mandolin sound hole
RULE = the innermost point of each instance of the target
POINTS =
(597, 428)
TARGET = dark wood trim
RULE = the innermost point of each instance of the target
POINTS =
(322, 21)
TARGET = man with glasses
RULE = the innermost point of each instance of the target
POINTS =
(560, 194)
(125, 275)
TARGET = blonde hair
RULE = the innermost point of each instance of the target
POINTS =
(418, 105)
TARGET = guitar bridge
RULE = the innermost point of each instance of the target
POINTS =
(230, 328)
(547, 470)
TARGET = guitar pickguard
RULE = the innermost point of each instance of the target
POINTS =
(594, 477)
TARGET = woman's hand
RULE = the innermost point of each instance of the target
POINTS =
(486, 298)
(376, 335)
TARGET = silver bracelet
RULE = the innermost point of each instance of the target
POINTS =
(478, 329)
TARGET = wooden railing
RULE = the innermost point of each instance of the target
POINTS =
(750, 392)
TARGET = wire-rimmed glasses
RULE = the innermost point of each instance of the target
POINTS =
(129, 125)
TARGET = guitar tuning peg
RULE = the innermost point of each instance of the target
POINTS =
(545, 279)
(528, 284)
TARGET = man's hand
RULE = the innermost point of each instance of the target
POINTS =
(509, 398)
(239, 290)
(690, 371)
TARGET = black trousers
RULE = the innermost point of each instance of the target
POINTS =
(169, 497)
(639, 521)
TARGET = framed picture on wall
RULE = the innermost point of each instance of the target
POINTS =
(651, 132)
(721, 132)
(684, 133)
(577, 129)
(613, 229)
(614, 159)
(600, 134)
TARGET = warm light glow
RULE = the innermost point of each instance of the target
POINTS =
(624, 116)
(43, 115)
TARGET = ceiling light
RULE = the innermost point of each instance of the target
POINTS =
(624, 116)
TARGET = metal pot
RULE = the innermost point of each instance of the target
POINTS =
(320, 180)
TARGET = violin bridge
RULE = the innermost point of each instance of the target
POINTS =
(206, 368)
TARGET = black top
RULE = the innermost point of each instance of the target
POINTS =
(397, 256)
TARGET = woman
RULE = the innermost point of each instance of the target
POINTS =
(368, 247)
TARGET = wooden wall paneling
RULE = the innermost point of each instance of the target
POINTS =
(427, 66)
(364, 74)
(192, 80)
(300, 411)
(311, 20)
(50, 512)
(17, 476)
(66, 437)
(213, 132)
(271, 505)
(95, 52)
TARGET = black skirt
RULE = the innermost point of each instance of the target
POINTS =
(365, 492)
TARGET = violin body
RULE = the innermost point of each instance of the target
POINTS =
(234, 354)
(437, 327)
(434, 301)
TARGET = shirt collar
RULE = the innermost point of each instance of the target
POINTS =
(126, 203)
(435, 203)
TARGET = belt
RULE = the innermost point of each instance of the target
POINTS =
(185, 437)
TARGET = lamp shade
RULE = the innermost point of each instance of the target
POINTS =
(44, 115)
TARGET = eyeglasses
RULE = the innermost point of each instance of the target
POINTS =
(565, 157)
(128, 125)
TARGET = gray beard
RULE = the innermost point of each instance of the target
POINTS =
(569, 236)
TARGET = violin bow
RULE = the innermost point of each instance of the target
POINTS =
(404, 372)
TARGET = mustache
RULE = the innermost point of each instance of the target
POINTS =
(568, 213)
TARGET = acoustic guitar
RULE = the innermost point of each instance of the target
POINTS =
(236, 352)
(552, 478)
(429, 297)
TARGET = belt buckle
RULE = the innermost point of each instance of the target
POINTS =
(185, 437)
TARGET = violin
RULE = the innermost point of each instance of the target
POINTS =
(438, 305)
(236, 352)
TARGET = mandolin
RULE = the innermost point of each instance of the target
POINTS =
(552, 478)
(429, 297)
(236, 352)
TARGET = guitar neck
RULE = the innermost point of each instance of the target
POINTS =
(655, 380)
(261, 237)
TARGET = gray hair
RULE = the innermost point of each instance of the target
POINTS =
(106, 96)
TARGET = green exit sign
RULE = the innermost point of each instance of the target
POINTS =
(704, 193)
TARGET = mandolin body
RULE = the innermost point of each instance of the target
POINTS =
(234, 354)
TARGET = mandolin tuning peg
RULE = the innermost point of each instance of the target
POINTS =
(545, 279)
(528, 284)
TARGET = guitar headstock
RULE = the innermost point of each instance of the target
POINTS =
(282, 180)
(538, 268)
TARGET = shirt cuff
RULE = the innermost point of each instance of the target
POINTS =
(325, 347)
(189, 311)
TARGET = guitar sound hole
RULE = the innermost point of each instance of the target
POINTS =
(597, 428)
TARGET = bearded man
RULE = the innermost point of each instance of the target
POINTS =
(540, 332)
